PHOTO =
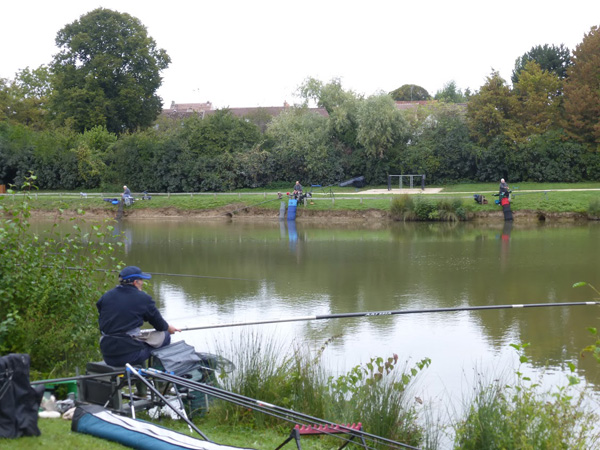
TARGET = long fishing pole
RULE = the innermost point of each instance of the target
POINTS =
(162, 274)
(384, 313)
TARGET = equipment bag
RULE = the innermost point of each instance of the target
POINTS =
(96, 421)
(19, 402)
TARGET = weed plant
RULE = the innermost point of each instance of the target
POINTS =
(404, 207)
(375, 394)
(594, 208)
(524, 416)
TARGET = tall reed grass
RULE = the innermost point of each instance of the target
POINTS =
(523, 415)
(407, 208)
(376, 394)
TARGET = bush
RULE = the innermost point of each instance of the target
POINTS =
(594, 209)
(402, 207)
(376, 394)
(49, 285)
(522, 416)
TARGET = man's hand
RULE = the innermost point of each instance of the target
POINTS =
(172, 329)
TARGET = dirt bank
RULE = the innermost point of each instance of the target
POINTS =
(225, 213)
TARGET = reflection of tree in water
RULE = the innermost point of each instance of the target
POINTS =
(402, 267)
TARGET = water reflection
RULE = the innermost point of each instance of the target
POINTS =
(283, 269)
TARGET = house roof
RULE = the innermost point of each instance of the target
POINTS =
(182, 110)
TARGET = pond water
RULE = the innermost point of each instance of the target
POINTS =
(270, 270)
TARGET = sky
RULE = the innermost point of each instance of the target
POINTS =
(249, 53)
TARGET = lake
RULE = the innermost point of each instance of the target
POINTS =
(269, 270)
(243, 271)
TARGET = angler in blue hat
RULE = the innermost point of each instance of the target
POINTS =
(122, 312)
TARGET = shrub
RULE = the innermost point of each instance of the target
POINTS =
(523, 416)
(376, 394)
(402, 207)
(594, 208)
(49, 285)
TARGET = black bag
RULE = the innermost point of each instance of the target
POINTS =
(19, 402)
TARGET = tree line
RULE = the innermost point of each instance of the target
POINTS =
(91, 120)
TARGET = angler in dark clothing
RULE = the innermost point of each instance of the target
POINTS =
(122, 311)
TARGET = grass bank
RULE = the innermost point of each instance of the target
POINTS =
(537, 200)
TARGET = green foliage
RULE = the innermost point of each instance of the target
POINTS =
(376, 394)
(107, 73)
(594, 208)
(410, 92)
(24, 99)
(582, 91)
(524, 416)
(403, 207)
(492, 112)
(450, 93)
(549, 57)
(48, 289)
(301, 149)
(381, 127)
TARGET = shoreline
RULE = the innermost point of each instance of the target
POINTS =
(224, 214)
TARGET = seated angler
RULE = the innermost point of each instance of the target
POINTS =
(297, 189)
(122, 312)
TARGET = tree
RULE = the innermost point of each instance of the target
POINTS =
(582, 90)
(450, 94)
(301, 145)
(24, 99)
(107, 73)
(341, 105)
(410, 92)
(492, 112)
(550, 58)
(538, 92)
(381, 126)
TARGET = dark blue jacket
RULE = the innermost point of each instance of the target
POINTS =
(123, 309)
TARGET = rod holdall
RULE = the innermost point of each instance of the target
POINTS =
(19, 401)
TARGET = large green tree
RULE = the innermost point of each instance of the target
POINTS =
(549, 57)
(410, 92)
(24, 99)
(341, 105)
(381, 126)
(538, 92)
(582, 90)
(107, 73)
(492, 112)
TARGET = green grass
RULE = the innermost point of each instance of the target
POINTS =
(344, 199)
(57, 434)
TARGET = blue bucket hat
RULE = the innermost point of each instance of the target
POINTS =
(134, 273)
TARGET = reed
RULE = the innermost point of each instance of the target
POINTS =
(526, 416)
(376, 394)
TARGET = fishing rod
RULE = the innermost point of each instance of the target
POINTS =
(77, 378)
(160, 274)
(270, 409)
(384, 313)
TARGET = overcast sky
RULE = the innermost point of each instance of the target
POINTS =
(256, 53)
